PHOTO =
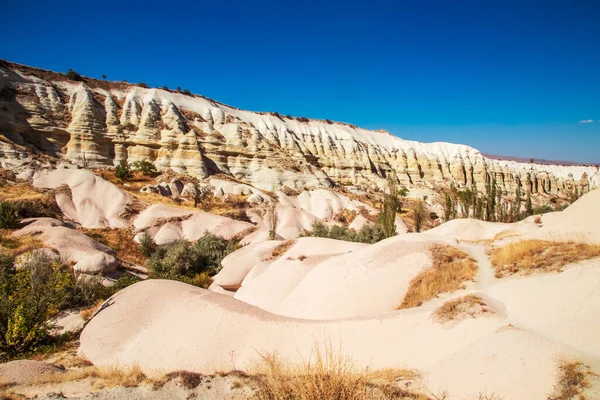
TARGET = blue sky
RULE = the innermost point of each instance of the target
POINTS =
(507, 77)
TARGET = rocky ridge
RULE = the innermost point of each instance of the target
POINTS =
(98, 123)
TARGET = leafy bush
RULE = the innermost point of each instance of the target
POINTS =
(86, 290)
(143, 85)
(9, 218)
(123, 171)
(181, 260)
(369, 233)
(145, 167)
(29, 297)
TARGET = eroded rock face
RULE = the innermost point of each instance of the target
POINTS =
(99, 123)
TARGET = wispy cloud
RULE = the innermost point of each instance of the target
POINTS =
(586, 121)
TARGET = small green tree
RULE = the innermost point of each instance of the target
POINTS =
(528, 204)
(391, 205)
(123, 171)
(29, 297)
(419, 215)
(147, 244)
(9, 215)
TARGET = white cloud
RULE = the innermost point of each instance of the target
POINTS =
(587, 121)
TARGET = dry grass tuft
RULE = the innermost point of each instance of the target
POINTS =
(458, 309)
(451, 268)
(87, 313)
(572, 381)
(121, 241)
(14, 246)
(19, 191)
(326, 375)
(189, 380)
(104, 377)
(530, 256)
(281, 249)
(345, 217)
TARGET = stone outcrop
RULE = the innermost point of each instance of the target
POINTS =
(97, 123)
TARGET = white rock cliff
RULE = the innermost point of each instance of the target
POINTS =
(100, 123)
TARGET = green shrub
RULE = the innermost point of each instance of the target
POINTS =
(181, 260)
(147, 244)
(369, 233)
(74, 76)
(29, 297)
(419, 215)
(123, 171)
(145, 167)
(9, 218)
(84, 291)
(212, 249)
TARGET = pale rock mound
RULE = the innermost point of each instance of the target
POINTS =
(89, 256)
(22, 372)
(470, 229)
(579, 222)
(323, 204)
(167, 224)
(237, 264)
(368, 280)
(165, 320)
(272, 279)
(90, 200)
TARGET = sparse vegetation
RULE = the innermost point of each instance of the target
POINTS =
(327, 374)
(191, 263)
(146, 167)
(419, 215)
(105, 377)
(72, 75)
(272, 216)
(391, 205)
(450, 270)
(121, 241)
(572, 381)
(123, 171)
(530, 256)
(29, 297)
(282, 248)
(147, 244)
(9, 218)
(369, 233)
(457, 309)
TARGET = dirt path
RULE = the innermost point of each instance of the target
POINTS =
(485, 275)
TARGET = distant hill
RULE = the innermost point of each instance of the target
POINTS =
(536, 160)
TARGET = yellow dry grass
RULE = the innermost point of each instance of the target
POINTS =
(87, 312)
(458, 309)
(121, 241)
(103, 377)
(281, 249)
(572, 380)
(450, 270)
(19, 191)
(530, 256)
(327, 375)
(14, 246)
